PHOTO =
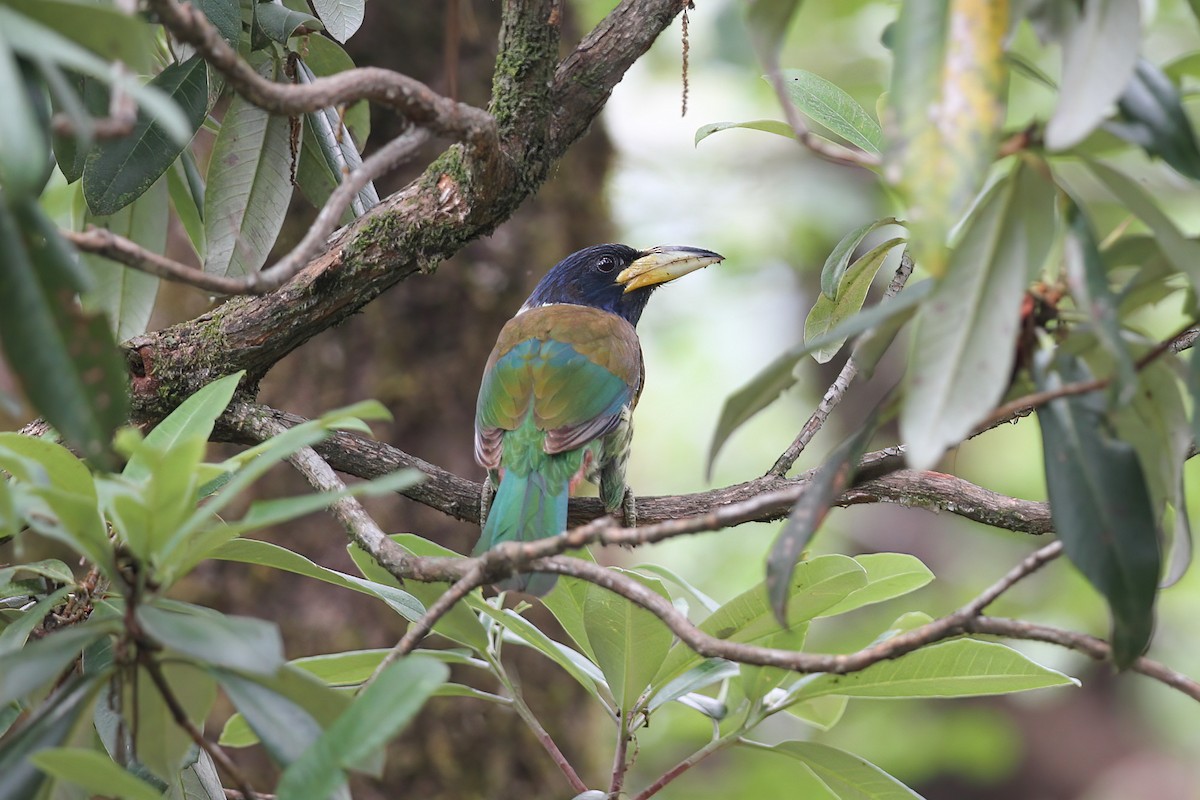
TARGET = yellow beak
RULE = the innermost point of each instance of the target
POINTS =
(661, 264)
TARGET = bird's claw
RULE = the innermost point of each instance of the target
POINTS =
(629, 509)
(485, 500)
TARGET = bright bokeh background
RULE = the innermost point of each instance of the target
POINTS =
(775, 212)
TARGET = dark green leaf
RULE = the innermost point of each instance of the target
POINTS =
(187, 209)
(22, 136)
(1102, 509)
(119, 170)
(1099, 53)
(42, 662)
(75, 376)
(849, 295)
(964, 340)
(1152, 117)
(325, 57)
(50, 726)
(225, 15)
(285, 728)
(14, 636)
(778, 376)
(378, 713)
(209, 637)
(80, 98)
(768, 22)
(839, 259)
(281, 23)
(832, 478)
(106, 31)
(830, 106)
(766, 125)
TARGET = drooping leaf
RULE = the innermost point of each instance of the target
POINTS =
(955, 668)
(120, 170)
(325, 57)
(50, 726)
(352, 667)
(189, 212)
(285, 728)
(1099, 53)
(850, 292)
(1153, 118)
(95, 772)
(106, 31)
(249, 187)
(629, 641)
(126, 296)
(241, 643)
(1102, 510)
(701, 676)
(780, 375)
(830, 106)
(830, 480)
(341, 17)
(767, 125)
(378, 713)
(889, 575)
(521, 630)
(23, 137)
(838, 260)
(946, 107)
(41, 663)
(964, 341)
(767, 21)
(281, 23)
(75, 375)
(840, 775)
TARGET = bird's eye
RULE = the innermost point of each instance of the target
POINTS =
(606, 264)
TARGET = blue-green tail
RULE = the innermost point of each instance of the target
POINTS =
(525, 509)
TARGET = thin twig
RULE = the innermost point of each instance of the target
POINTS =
(621, 751)
(835, 393)
(544, 738)
(182, 720)
(104, 242)
(684, 765)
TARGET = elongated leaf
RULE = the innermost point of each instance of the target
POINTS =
(780, 375)
(193, 418)
(250, 551)
(14, 636)
(126, 296)
(341, 17)
(241, 643)
(1182, 252)
(767, 21)
(281, 23)
(947, 98)
(843, 774)
(849, 295)
(964, 341)
(956, 668)
(889, 575)
(1153, 118)
(1102, 511)
(831, 479)
(22, 135)
(188, 211)
(701, 676)
(41, 663)
(324, 57)
(106, 31)
(225, 15)
(95, 772)
(385, 707)
(767, 125)
(586, 673)
(331, 150)
(120, 170)
(565, 602)
(1099, 54)
(285, 728)
(817, 584)
(50, 726)
(629, 642)
(839, 259)
(353, 667)
(831, 107)
(75, 375)
(249, 187)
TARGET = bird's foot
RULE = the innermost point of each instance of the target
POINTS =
(629, 509)
(485, 500)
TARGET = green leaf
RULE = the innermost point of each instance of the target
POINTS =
(14, 636)
(955, 668)
(325, 57)
(120, 170)
(630, 643)
(1088, 281)
(50, 726)
(839, 259)
(820, 712)
(193, 418)
(841, 775)
(126, 296)
(756, 681)
(341, 17)
(830, 106)
(701, 676)
(565, 601)
(964, 341)
(1182, 252)
(780, 375)
(849, 295)
(1153, 117)
(81, 98)
(281, 23)
(225, 15)
(817, 584)
(265, 513)
(767, 21)
(75, 376)
(386, 706)
(830, 480)
(108, 32)
(285, 727)
(251, 551)
(353, 667)
(41, 663)
(522, 631)
(767, 125)
(1102, 510)
(187, 209)
(459, 624)
(249, 187)
(946, 107)
(889, 575)
(1099, 53)
(22, 136)
(241, 643)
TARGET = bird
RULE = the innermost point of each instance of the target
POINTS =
(557, 397)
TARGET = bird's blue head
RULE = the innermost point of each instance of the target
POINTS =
(616, 278)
